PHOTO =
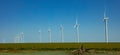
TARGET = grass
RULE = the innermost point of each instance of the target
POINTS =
(54, 53)
(39, 53)
(52, 46)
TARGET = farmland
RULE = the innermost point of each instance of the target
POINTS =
(59, 46)
(38, 53)
(55, 53)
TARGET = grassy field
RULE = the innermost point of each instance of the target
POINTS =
(54, 53)
(38, 53)
(59, 46)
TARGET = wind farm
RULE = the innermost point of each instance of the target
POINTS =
(19, 41)
(59, 27)
(20, 37)
(74, 23)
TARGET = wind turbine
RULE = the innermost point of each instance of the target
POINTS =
(14, 39)
(49, 32)
(40, 35)
(61, 32)
(21, 37)
(106, 26)
(17, 39)
(77, 29)
(3, 41)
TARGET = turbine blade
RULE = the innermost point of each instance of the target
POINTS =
(49, 30)
(75, 25)
(39, 31)
(76, 20)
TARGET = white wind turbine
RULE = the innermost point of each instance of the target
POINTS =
(40, 35)
(106, 26)
(21, 37)
(77, 29)
(3, 41)
(61, 32)
(17, 39)
(49, 32)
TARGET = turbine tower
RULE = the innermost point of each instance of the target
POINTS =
(40, 35)
(77, 29)
(61, 32)
(49, 32)
(106, 26)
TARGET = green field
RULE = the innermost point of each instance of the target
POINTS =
(39, 53)
(59, 46)
(54, 53)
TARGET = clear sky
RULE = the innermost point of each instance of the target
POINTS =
(29, 16)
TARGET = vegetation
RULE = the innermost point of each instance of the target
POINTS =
(58, 46)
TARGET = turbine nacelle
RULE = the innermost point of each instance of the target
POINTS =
(49, 30)
(76, 26)
(61, 27)
(105, 19)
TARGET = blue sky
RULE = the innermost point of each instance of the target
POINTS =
(28, 16)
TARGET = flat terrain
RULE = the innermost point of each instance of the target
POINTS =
(59, 46)
(56, 53)
(37, 53)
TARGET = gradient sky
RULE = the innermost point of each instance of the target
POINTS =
(29, 16)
